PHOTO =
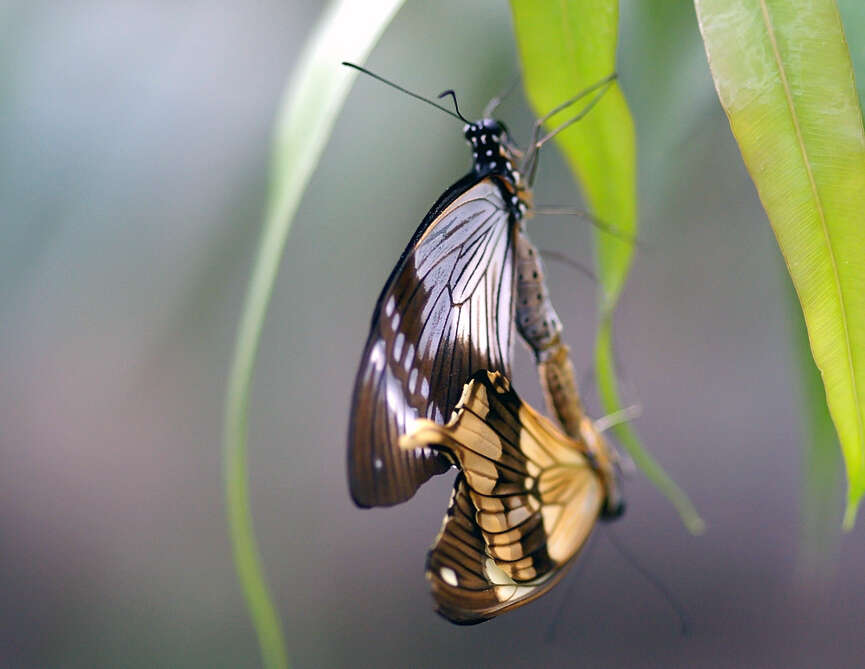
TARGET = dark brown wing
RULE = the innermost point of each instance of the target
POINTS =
(446, 312)
(523, 506)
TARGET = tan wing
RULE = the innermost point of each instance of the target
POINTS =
(523, 506)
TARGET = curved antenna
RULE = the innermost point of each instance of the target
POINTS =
(405, 90)
(497, 100)
(450, 92)
(651, 579)
(574, 577)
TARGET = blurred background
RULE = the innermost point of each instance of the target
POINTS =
(133, 173)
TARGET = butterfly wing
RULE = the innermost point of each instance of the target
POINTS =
(523, 506)
(445, 312)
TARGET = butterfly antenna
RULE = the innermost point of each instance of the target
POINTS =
(574, 578)
(497, 100)
(405, 90)
(678, 609)
(456, 106)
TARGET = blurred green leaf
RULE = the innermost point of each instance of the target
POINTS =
(853, 18)
(821, 457)
(346, 31)
(564, 48)
(784, 77)
(666, 92)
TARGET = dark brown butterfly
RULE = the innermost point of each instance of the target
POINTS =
(447, 311)
(523, 505)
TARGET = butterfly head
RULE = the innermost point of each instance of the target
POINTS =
(613, 507)
(492, 148)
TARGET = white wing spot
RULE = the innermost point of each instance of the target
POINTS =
(409, 357)
(489, 152)
(389, 307)
(449, 576)
(412, 380)
(397, 346)
(424, 388)
(376, 358)
(378, 464)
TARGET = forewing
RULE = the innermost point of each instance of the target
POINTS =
(446, 312)
(523, 506)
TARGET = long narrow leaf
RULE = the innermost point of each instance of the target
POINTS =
(784, 77)
(564, 47)
(315, 93)
(821, 458)
(853, 18)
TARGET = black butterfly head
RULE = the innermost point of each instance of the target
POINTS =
(486, 125)
(613, 508)
(614, 504)
(492, 150)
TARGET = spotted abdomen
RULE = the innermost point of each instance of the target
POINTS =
(539, 325)
(537, 320)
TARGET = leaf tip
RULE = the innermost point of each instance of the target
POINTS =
(850, 514)
(696, 525)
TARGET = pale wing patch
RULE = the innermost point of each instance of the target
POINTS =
(506, 588)
(544, 443)
(449, 576)
(569, 518)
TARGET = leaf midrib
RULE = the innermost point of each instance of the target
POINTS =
(819, 203)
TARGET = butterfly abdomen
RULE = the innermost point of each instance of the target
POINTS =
(537, 320)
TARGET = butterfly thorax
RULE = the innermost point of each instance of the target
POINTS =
(494, 154)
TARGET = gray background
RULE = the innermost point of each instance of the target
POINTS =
(133, 172)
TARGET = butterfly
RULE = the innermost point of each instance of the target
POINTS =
(523, 504)
(448, 310)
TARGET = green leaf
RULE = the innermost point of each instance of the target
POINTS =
(346, 31)
(565, 47)
(784, 77)
(853, 18)
(821, 458)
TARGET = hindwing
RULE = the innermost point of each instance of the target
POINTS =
(523, 505)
